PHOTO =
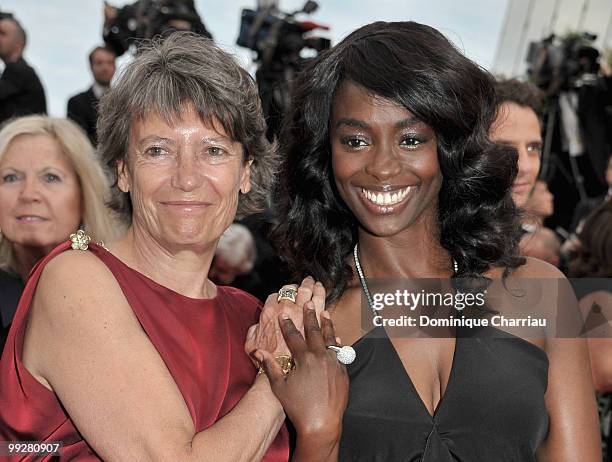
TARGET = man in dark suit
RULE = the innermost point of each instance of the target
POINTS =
(83, 108)
(21, 92)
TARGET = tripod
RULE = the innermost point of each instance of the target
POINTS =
(549, 163)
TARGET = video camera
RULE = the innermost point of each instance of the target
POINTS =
(145, 19)
(277, 37)
(556, 64)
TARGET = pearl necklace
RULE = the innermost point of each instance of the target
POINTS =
(364, 284)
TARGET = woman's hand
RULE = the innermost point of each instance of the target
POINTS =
(315, 394)
(266, 335)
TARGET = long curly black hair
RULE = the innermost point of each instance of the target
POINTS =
(415, 66)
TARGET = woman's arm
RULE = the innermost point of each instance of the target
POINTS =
(85, 343)
(570, 396)
(570, 399)
(600, 339)
(600, 352)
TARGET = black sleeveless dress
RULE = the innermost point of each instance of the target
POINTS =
(493, 409)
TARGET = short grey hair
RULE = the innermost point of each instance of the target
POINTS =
(168, 73)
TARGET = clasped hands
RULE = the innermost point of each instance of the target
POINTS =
(315, 394)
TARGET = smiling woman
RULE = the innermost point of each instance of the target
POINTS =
(389, 173)
(182, 178)
(50, 184)
(35, 166)
(128, 351)
(369, 180)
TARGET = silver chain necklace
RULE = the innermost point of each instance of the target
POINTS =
(364, 284)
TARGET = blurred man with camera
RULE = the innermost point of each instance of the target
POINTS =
(83, 107)
(21, 92)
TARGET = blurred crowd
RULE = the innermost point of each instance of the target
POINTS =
(49, 174)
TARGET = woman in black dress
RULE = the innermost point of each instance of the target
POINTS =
(389, 173)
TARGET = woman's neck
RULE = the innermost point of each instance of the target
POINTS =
(413, 253)
(182, 269)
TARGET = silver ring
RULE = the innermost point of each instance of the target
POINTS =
(345, 354)
(287, 293)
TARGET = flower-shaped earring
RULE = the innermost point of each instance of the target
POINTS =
(80, 240)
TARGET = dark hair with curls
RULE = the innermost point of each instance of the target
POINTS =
(594, 257)
(416, 67)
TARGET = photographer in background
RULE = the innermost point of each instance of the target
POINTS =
(83, 107)
(279, 40)
(578, 94)
(21, 92)
(144, 19)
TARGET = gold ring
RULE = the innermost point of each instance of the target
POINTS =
(284, 361)
(287, 293)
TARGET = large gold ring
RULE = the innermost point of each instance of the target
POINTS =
(284, 361)
(287, 293)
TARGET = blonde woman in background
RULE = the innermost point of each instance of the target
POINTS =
(51, 184)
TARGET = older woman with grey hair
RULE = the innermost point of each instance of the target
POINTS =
(127, 351)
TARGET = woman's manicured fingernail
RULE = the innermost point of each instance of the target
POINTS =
(326, 314)
(285, 316)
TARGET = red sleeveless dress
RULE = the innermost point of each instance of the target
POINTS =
(200, 341)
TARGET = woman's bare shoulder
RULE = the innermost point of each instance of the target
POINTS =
(77, 301)
(77, 280)
(72, 260)
(536, 268)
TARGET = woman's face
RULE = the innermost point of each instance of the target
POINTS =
(184, 179)
(385, 161)
(40, 195)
